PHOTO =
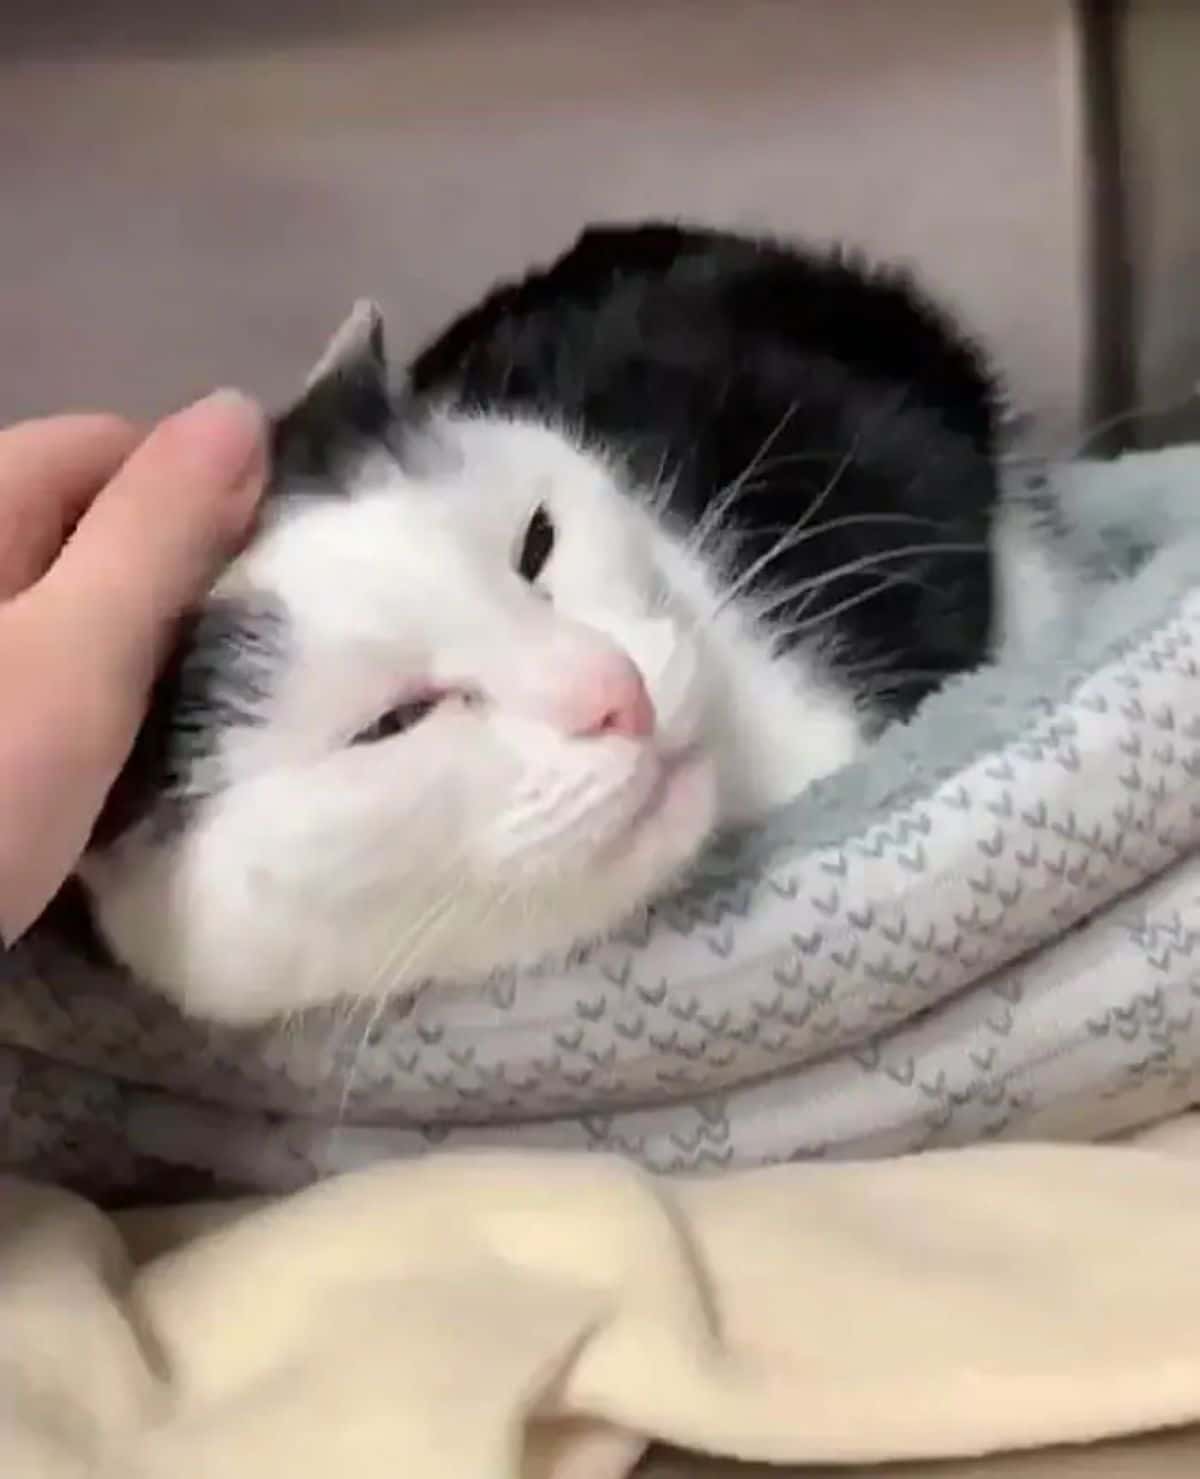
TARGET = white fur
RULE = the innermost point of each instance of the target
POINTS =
(483, 836)
(1036, 587)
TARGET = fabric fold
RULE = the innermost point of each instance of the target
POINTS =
(545, 1316)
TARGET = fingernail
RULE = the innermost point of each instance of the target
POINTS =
(229, 430)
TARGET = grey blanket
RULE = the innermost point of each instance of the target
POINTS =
(988, 929)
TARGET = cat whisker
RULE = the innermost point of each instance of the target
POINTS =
(910, 675)
(888, 582)
(798, 534)
(395, 961)
(664, 487)
(711, 521)
(377, 1009)
(726, 497)
(660, 472)
(764, 468)
(815, 584)
(881, 666)
(890, 682)
(834, 482)
(790, 634)
(1147, 410)
(790, 540)
(849, 520)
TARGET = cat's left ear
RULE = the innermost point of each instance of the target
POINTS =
(345, 401)
(355, 355)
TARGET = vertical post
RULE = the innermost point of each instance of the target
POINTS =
(1111, 378)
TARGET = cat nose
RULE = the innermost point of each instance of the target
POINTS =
(607, 695)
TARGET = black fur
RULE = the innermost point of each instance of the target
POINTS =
(712, 358)
(345, 404)
(219, 677)
(228, 654)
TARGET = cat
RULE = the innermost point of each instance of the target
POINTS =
(638, 548)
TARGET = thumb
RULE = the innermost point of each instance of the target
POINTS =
(158, 534)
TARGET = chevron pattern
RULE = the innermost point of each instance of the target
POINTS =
(1010, 949)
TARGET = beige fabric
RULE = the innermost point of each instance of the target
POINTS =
(1172, 1455)
(541, 1316)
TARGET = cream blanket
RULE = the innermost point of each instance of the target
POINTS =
(472, 1316)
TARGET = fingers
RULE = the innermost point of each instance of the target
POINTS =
(49, 471)
(159, 533)
(80, 649)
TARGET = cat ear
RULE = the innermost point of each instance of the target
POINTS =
(345, 403)
(355, 354)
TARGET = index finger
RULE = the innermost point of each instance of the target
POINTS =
(50, 470)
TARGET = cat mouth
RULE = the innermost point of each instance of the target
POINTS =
(677, 776)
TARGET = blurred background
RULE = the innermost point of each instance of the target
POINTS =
(192, 194)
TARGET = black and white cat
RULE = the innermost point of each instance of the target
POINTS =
(644, 545)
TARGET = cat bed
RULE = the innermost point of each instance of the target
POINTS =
(987, 929)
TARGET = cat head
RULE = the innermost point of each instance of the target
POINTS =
(449, 710)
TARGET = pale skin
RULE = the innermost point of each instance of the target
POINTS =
(107, 534)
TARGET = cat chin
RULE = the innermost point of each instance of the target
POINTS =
(223, 962)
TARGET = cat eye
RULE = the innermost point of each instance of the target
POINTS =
(396, 721)
(538, 545)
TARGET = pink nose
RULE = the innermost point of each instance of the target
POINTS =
(607, 695)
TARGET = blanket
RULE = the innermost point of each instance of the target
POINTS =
(542, 1316)
(986, 930)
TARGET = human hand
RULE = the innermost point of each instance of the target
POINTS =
(105, 539)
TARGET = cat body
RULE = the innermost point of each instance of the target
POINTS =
(643, 545)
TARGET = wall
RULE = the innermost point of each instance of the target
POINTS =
(192, 196)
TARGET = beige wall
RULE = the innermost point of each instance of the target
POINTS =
(187, 202)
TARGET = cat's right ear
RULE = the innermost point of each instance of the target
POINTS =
(345, 404)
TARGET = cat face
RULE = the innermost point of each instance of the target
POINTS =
(469, 729)
(459, 704)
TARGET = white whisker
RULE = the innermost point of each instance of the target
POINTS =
(787, 541)
(790, 634)
(726, 497)
(1147, 410)
(814, 584)
(377, 1009)
(396, 960)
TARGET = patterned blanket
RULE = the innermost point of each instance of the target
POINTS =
(987, 930)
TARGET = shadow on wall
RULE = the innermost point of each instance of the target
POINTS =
(122, 28)
(1160, 66)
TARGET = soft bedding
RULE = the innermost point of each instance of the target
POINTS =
(987, 930)
(544, 1316)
